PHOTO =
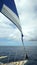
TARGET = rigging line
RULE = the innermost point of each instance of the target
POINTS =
(15, 56)
(24, 47)
(9, 56)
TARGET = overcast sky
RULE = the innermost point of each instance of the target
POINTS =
(27, 10)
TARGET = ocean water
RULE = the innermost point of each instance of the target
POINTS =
(16, 53)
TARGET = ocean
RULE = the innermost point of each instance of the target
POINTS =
(17, 53)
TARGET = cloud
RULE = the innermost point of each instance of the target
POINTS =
(27, 10)
(8, 29)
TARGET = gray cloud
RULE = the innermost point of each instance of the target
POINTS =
(28, 16)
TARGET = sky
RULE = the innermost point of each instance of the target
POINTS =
(9, 33)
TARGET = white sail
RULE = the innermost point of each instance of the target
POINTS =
(12, 16)
(8, 8)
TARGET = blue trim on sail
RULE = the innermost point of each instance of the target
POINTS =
(10, 4)
(1, 4)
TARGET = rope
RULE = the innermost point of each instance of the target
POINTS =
(16, 51)
(15, 56)
(24, 47)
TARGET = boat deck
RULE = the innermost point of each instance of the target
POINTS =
(25, 62)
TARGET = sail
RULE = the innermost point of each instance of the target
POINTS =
(8, 8)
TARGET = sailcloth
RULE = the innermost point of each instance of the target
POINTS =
(8, 8)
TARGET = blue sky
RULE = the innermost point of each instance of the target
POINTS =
(10, 35)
